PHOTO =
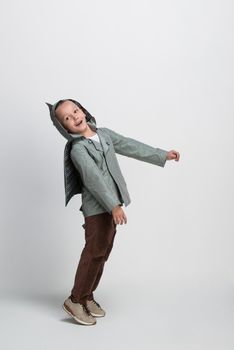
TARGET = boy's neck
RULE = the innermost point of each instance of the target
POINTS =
(89, 132)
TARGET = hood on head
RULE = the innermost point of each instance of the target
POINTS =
(91, 121)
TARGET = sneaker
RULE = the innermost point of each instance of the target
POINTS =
(79, 312)
(94, 308)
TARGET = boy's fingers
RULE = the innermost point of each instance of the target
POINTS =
(117, 220)
(120, 220)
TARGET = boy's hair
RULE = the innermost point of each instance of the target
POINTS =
(58, 104)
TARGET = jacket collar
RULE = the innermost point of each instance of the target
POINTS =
(100, 146)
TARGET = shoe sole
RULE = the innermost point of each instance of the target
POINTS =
(96, 315)
(69, 312)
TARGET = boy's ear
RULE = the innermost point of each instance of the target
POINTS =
(50, 106)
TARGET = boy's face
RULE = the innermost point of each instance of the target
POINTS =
(71, 117)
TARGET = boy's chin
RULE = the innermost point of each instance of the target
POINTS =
(78, 130)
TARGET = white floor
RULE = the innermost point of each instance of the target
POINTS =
(166, 319)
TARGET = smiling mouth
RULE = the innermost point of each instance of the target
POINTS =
(79, 123)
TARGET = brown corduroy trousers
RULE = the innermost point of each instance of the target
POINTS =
(100, 230)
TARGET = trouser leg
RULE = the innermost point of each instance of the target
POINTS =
(101, 268)
(100, 231)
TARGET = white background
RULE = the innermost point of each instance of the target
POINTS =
(161, 72)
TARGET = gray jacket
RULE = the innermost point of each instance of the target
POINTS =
(92, 169)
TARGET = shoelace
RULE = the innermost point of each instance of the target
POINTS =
(98, 305)
(86, 309)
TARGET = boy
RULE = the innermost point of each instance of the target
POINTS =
(92, 169)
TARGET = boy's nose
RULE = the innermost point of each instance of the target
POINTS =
(75, 118)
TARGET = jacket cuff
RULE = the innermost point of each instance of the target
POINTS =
(163, 156)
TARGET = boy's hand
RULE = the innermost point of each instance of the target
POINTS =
(173, 155)
(119, 216)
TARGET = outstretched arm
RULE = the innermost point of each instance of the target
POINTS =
(135, 149)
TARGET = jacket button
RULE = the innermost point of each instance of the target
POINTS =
(107, 142)
(90, 141)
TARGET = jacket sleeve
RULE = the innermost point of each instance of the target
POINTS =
(135, 149)
(92, 178)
